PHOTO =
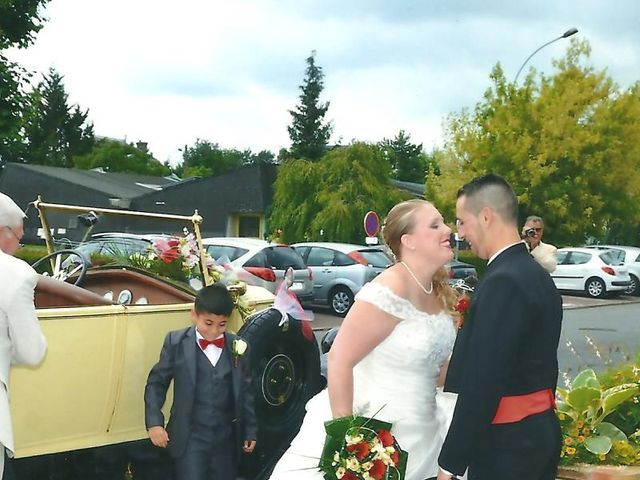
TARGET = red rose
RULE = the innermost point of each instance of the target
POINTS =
(463, 305)
(170, 255)
(395, 458)
(349, 476)
(362, 449)
(386, 438)
(378, 469)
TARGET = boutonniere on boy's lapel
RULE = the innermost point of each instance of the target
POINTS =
(464, 302)
(238, 347)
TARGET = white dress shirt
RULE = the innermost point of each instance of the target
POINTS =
(212, 352)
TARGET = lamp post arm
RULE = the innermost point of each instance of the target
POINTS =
(515, 79)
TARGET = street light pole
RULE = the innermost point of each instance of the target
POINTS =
(566, 34)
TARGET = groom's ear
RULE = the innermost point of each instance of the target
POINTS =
(487, 216)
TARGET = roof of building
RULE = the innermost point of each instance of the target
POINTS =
(119, 185)
(415, 189)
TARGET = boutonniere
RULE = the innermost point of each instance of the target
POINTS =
(461, 307)
(238, 347)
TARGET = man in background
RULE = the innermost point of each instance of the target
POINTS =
(21, 340)
(543, 253)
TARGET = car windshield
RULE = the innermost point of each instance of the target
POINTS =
(613, 257)
(376, 258)
(220, 251)
(283, 257)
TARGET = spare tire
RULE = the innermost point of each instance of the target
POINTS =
(285, 368)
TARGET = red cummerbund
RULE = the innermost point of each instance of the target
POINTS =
(515, 408)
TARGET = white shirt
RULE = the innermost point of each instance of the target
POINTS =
(212, 352)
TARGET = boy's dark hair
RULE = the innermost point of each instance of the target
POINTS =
(214, 299)
(491, 191)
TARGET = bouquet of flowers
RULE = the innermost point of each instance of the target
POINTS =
(361, 448)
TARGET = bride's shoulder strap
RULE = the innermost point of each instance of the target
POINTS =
(384, 298)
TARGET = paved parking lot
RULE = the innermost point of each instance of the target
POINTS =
(323, 319)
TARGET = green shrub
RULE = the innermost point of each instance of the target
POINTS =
(31, 253)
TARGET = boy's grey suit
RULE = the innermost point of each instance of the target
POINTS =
(232, 409)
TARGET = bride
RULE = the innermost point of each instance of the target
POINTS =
(391, 350)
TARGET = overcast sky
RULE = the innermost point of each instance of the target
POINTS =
(228, 71)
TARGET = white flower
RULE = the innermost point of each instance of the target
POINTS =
(340, 472)
(239, 347)
(366, 466)
(336, 457)
(352, 439)
(353, 464)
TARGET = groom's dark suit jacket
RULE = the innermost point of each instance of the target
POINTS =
(507, 346)
(178, 363)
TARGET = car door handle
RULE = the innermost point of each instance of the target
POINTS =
(326, 270)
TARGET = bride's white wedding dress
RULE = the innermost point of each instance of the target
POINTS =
(400, 375)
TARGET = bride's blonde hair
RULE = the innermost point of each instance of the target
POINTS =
(401, 220)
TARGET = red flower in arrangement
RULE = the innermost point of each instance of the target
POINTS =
(378, 469)
(168, 250)
(350, 476)
(361, 449)
(386, 438)
(395, 457)
(461, 307)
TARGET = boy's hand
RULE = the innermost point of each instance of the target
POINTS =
(248, 446)
(159, 436)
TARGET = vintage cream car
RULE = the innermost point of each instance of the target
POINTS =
(88, 392)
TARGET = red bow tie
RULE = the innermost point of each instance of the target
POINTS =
(204, 343)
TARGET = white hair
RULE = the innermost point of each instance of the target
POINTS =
(11, 215)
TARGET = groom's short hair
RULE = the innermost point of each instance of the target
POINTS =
(494, 192)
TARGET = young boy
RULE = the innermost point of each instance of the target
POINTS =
(212, 411)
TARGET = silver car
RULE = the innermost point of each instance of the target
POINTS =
(262, 263)
(340, 270)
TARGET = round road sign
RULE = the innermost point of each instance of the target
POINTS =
(371, 223)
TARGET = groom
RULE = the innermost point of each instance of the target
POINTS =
(504, 364)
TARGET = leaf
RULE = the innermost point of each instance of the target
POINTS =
(607, 429)
(562, 393)
(567, 409)
(584, 397)
(615, 396)
(598, 445)
(586, 378)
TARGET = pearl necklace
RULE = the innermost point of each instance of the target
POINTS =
(418, 281)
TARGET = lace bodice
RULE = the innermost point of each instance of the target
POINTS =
(408, 362)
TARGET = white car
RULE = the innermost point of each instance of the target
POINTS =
(263, 264)
(631, 258)
(595, 272)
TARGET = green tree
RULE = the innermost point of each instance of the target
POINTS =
(206, 158)
(55, 132)
(117, 156)
(569, 144)
(408, 162)
(20, 20)
(327, 200)
(308, 132)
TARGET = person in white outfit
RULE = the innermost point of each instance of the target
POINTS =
(391, 350)
(543, 253)
(21, 340)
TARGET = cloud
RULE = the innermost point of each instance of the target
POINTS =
(169, 73)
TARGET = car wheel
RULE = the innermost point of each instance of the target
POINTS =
(595, 288)
(340, 301)
(285, 369)
(634, 287)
